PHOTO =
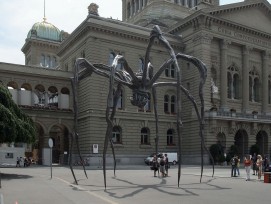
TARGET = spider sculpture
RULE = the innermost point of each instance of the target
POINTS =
(143, 85)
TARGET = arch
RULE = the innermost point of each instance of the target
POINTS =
(53, 96)
(65, 90)
(26, 87)
(60, 135)
(39, 95)
(12, 85)
(39, 143)
(145, 136)
(241, 141)
(262, 142)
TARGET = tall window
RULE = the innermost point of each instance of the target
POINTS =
(166, 104)
(140, 65)
(128, 10)
(111, 58)
(254, 86)
(144, 136)
(170, 104)
(42, 60)
(170, 137)
(173, 104)
(170, 71)
(147, 107)
(120, 102)
(233, 82)
(116, 135)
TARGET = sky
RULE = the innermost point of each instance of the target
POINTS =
(18, 16)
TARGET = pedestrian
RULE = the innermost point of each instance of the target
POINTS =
(238, 165)
(18, 162)
(155, 165)
(162, 166)
(259, 164)
(254, 161)
(233, 166)
(166, 165)
(247, 164)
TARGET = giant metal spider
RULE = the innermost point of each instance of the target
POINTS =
(142, 85)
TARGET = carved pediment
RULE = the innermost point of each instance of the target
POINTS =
(254, 14)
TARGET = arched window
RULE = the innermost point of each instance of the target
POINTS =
(254, 85)
(233, 82)
(116, 135)
(145, 136)
(52, 96)
(140, 65)
(111, 58)
(170, 137)
(166, 104)
(173, 104)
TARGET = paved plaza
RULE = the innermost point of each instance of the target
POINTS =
(131, 185)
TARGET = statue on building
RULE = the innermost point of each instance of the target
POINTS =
(93, 9)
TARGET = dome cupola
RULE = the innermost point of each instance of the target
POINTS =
(44, 30)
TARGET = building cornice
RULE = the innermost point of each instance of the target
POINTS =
(112, 27)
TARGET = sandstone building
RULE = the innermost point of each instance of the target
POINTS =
(233, 40)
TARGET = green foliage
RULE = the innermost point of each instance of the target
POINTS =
(15, 126)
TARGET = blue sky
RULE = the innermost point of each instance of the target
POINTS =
(18, 16)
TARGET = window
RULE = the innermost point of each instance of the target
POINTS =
(9, 156)
(116, 135)
(170, 71)
(42, 61)
(111, 58)
(170, 106)
(166, 104)
(144, 136)
(233, 82)
(140, 65)
(173, 104)
(128, 10)
(170, 137)
(254, 86)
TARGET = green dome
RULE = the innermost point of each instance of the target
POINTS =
(44, 30)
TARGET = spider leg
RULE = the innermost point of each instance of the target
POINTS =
(70, 158)
(156, 119)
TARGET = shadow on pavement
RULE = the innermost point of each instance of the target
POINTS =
(5, 176)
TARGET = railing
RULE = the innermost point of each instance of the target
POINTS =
(235, 115)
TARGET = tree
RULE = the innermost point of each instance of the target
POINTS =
(217, 153)
(15, 125)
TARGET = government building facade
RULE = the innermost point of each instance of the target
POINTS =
(234, 41)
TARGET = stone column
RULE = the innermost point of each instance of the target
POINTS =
(245, 81)
(223, 74)
(264, 82)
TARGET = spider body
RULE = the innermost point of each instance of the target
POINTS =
(143, 85)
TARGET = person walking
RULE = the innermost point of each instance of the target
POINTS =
(259, 164)
(166, 165)
(162, 166)
(247, 164)
(254, 161)
(233, 166)
(238, 165)
(155, 165)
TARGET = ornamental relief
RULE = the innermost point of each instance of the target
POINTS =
(202, 38)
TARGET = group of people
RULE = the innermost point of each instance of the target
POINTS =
(160, 164)
(26, 161)
(257, 162)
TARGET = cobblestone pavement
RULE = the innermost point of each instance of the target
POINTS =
(132, 185)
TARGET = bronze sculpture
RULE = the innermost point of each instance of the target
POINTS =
(142, 84)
